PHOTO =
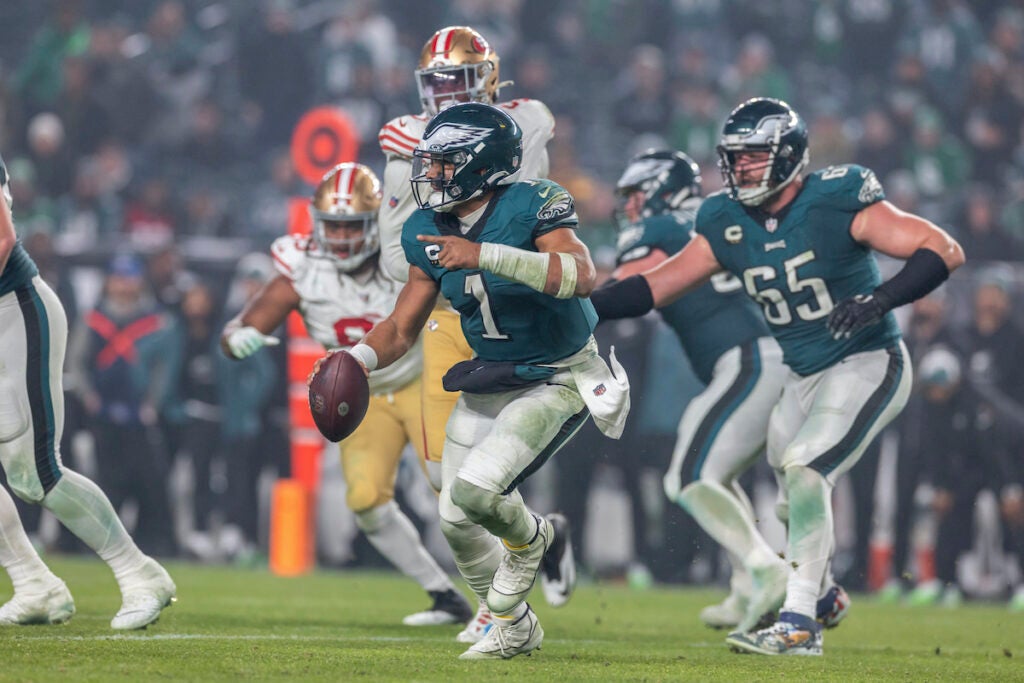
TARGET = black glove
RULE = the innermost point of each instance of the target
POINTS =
(854, 314)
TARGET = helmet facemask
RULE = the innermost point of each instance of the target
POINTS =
(451, 185)
(442, 86)
(465, 151)
(784, 159)
(349, 197)
(457, 65)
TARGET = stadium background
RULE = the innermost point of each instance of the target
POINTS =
(162, 129)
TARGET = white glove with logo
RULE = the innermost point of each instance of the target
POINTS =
(247, 340)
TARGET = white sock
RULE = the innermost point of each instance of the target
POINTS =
(17, 555)
(811, 537)
(84, 509)
(720, 513)
(395, 537)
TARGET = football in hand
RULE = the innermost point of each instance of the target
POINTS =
(338, 396)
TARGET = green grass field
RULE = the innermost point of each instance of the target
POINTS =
(231, 624)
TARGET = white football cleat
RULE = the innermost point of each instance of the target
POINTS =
(768, 594)
(521, 637)
(477, 627)
(726, 614)
(145, 596)
(558, 566)
(517, 572)
(52, 604)
(449, 608)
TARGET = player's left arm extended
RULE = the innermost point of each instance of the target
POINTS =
(666, 280)
(930, 254)
(561, 267)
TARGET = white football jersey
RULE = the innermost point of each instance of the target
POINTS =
(399, 137)
(339, 310)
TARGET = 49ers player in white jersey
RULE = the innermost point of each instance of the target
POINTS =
(456, 65)
(333, 279)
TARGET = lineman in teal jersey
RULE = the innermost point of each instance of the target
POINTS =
(33, 338)
(802, 248)
(723, 430)
(507, 257)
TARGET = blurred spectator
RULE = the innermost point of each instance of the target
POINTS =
(991, 119)
(980, 232)
(641, 97)
(48, 149)
(754, 73)
(124, 354)
(148, 219)
(32, 212)
(870, 31)
(829, 138)
(197, 409)
(167, 276)
(54, 270)
(938, 160)
(244, 391)
(83, 114)
(927, 330)
(878, 147)
(944, 35)
(39, 77)
(995, 341)
(267, 214)
(275, 73)
(697, 121)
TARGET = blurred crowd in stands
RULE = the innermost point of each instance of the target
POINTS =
(147, 142)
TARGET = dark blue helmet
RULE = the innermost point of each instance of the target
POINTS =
(666, 177)
(476, 144)
(763, 124)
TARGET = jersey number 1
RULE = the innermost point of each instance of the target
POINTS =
(477, 288)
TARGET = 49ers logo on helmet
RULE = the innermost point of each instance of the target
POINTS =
(480, 45)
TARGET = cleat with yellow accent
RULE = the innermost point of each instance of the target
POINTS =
(792, 634)
(518, 570)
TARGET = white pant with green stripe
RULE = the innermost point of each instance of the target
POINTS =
(33, 340)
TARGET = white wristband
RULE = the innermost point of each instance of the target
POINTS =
(567, 287)
(365, 354)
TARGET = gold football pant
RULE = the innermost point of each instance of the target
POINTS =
(443, 346)
(370, 456)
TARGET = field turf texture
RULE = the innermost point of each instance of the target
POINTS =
(243, 624)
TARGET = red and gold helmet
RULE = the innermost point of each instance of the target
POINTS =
(347, 199)
(457, 65)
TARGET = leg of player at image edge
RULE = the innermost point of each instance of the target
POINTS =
(811, 539)
(394, 536)
(146, 588)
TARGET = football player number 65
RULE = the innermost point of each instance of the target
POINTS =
(776, 310)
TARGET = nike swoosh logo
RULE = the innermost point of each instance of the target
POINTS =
(544, 194)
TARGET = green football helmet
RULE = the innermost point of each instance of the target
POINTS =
(763, 124)
(666, 177)
(466, 150)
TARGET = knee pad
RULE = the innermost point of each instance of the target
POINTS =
(374, 519)
(26, 486)
(479, 505)
(364, 496)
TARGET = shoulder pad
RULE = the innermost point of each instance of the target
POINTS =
(400, 135)
(858, 184)
(290, 254)
(530, 114)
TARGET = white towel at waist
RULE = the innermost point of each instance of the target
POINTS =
(605, 390)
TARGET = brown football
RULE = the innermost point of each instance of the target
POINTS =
(339, 396)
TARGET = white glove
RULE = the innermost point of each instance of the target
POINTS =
(247, 340)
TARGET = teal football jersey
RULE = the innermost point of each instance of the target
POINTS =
(19, 271)
(709, 320)
(802, 262)
(505, 320)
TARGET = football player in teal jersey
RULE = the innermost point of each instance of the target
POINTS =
(506, 255)
(723, 430)
(802, 246)
(33, 338)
